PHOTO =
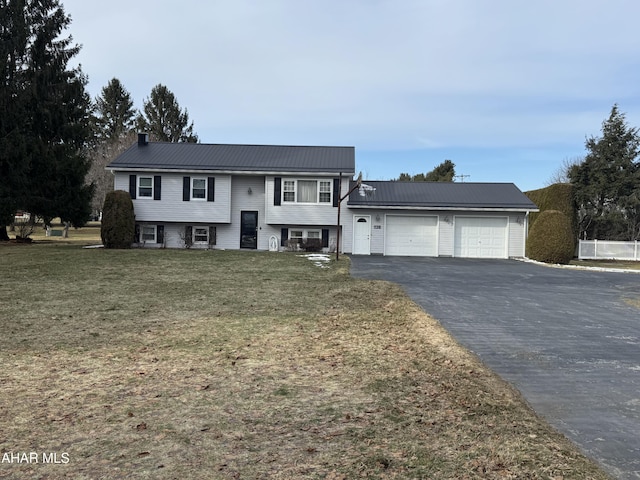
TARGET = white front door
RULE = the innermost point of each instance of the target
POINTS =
(361, 235)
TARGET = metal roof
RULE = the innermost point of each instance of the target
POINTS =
(443, 195)
(236, 158)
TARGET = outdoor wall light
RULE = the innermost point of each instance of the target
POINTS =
(249, 191)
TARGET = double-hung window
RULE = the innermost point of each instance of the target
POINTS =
(145, 187)
(148, 233)
(289, 191)
(198, 188)
(200, 235)
(325, 191)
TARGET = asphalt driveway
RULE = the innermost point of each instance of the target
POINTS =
(565, 338)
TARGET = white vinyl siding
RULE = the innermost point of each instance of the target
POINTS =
(172, 208)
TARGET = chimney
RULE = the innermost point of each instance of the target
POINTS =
(143, 139)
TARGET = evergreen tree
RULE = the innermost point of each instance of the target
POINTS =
(44, 134)
(164, 119)
(14, 35)
(441, 173)
(607, 182)
(115, 115)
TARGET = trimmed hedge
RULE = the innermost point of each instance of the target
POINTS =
(558, 196)
(118, 220)
(551, 238)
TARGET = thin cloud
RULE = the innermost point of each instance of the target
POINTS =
(385, 75)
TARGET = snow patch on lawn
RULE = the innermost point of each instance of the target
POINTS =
(319, 259)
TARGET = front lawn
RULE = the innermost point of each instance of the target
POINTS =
(210, 364)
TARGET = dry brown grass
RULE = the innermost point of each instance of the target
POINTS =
(187, 364)
(620, 264)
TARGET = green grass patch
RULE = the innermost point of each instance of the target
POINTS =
(183, 364)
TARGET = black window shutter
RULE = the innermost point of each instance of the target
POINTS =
(186, 187)
(157, 185)
(336, 191)
(277, 191)
(325, 237)
(284, 236)
(212, 235)
(188, 236)
(160, 234)
(136, 235)
(211, 190)
(133, 185)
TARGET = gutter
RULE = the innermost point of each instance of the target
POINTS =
(293, 173)
(443, 208)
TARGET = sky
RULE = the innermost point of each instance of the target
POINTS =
(506, 89)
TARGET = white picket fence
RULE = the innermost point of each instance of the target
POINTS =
(608, 250)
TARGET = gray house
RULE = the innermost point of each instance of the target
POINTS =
(265, 197)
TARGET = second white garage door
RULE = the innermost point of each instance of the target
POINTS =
(411, 236)
(481, 237)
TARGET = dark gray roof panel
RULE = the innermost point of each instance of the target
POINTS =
(241, 158)
(443, 195)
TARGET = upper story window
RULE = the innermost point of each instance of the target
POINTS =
(307, 191)
(198, 188)
(289, 191)
(145, 187)
(325, 191)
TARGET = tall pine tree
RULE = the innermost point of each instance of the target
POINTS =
(14, 35)
(164, 119)
(44, 134)
(607, 182)
(115, 115)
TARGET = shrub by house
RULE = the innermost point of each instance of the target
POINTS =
(118, 220)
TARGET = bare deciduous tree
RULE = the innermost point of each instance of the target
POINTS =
(561, 174)
(100, 156)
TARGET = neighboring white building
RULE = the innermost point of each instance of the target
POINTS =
(265, 197)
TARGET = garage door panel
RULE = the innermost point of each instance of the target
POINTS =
(411, 235)
(481, 237)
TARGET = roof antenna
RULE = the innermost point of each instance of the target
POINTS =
(462, 177)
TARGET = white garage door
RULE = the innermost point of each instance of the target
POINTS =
(411, 236)
(481, 237)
